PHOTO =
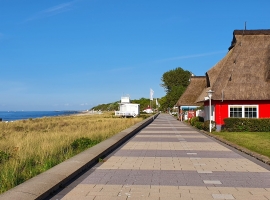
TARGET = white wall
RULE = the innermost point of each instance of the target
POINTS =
(206, 113)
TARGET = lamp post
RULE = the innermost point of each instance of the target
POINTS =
(210, 93)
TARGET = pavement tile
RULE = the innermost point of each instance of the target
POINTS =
(200, 190)
(222, 196)
(78, 198)
(249, 197)
(200, 196)
(214, 182)
(110, 198)
(169, 160)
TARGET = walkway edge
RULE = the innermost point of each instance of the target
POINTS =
(42, 185)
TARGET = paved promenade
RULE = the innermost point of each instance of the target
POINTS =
(169, 160)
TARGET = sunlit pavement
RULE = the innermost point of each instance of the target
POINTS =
(170, 160)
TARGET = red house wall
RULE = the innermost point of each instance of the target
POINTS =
(222, 108)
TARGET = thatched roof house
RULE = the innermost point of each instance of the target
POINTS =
(189, 97)
(240, 81)
(244, 73)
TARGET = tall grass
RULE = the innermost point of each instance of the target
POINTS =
(29, 147)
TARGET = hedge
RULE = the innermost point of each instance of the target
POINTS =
(247, 125)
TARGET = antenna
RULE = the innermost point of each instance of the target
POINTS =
(245, 25)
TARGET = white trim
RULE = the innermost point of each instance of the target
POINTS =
(243, 109)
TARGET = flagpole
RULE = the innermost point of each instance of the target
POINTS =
(151, 97)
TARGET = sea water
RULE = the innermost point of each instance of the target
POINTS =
(19, 115)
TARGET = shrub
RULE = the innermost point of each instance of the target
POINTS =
(193, 120)
(199, 125)
(207, 123)
(247, 125)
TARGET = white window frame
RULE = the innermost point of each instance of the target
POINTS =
(243, 110)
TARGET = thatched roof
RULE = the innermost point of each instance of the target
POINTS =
(196, 85)
(244, 73)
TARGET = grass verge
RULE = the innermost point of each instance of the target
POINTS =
(258, 142)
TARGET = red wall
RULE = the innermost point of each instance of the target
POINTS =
(221, 108)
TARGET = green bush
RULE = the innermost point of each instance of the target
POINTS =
(247, 125)
(199, 125)
(193, 120)
(206, 125)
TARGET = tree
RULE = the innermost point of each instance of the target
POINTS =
(174, 82)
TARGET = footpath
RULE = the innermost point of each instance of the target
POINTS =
(171, 160)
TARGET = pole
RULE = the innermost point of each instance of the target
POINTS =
(210, 125)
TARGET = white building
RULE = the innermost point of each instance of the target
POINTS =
(127, 109)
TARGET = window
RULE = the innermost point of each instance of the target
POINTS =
(235, 111)
(250, 112)
(243, 111)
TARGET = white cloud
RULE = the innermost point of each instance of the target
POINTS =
(64, 7)
(58, 9)
(193, 56)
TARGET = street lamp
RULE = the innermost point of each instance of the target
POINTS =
(210, 93)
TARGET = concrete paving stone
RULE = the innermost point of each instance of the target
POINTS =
(249, 197)
(161, 132)
(170, 160)
(105, 193)
(204, 172)
(200, 190)
(139, 193)
(259, 191)
(194, 158)
(222, 196)
(193, 136)
(143, 198)
(155, 139)
(213, 182)
(266, 195)
(78, 198)
(165, 194)
(110, 198)
(222, 190)
(204, 140)
(81, 191)
(197, 196)
(145, 136)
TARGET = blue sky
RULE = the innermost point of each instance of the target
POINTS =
(73, 55)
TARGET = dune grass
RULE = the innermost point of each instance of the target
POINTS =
(30, 147)
(258, 142)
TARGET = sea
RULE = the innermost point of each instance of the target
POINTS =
(19, 115)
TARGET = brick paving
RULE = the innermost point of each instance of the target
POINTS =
(170, 160)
